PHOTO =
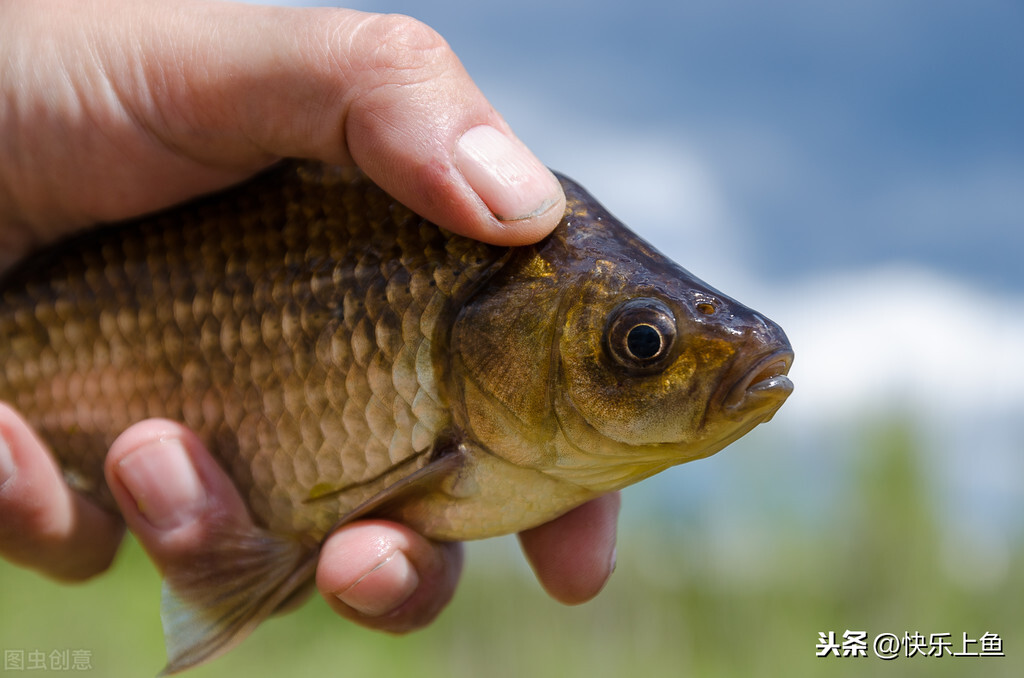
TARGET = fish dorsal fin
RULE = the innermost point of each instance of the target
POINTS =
(212, 603)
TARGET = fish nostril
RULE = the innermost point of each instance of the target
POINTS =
(706, 308)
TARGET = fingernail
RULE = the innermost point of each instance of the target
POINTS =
(164, 484)
(613, 562)
(383, 588)
(505, 174)
(7, 467)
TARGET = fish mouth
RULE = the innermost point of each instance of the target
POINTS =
(763, 386)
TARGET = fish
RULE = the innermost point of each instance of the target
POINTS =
(343, 357)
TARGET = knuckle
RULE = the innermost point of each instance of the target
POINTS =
(402, 46)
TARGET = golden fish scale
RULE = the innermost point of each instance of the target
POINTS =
(295, 329)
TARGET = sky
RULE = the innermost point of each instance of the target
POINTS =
(839, 134)
(853, 170)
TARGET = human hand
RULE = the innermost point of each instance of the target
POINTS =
(111, 109)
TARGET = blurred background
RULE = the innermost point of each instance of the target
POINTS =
(856, 172)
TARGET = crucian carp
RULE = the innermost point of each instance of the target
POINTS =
(343, 357)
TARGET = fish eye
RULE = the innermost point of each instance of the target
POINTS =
(643, 342)
(640, 334)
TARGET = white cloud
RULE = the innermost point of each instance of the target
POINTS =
(902, 336)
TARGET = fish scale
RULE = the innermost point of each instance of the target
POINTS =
(230, 340)
(344, 358)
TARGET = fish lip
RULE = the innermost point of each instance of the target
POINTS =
(765, 383)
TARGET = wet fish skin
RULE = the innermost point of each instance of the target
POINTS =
(343, 357)
(290, 324)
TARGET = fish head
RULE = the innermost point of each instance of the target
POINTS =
(610, 362)
(655, 371)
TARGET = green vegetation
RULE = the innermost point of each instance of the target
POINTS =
(697, 604)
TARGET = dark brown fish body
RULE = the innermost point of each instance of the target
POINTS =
(293, 325)
(343, 357)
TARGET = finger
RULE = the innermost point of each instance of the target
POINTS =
(419, 126)
(44, 524)
(574, 555)
(171, 492)
(387, 577)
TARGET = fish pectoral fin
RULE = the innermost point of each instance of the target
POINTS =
(211, 603)
(439, 474)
